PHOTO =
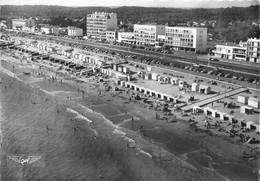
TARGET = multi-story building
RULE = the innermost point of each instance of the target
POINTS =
(126, 37)
(18, 23)
(229, 51)
(73, 31)
(99, 23)
(148, 34)
(253, 50)
(111, 36)
(30, 22)
(192, 39)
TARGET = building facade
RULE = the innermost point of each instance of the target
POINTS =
(230, 52)
(45, 30)
(126, 37)
(147, 34)
(73, 31)
(111, 36)
(18, 23)
(30, 22)
(192, 39)
(253, 50)
(99, 23)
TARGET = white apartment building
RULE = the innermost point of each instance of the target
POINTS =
(99, 23)
(73, 31)
(147, 34)
(111, 36)
(192, 39)
(253, 50)
(126, 37)
(46, 30)
(18, 23)
(235, 52)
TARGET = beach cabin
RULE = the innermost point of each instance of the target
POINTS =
(248, 124)
(155, 76)
(126, 70)
(51, 49)
(197, 109)
(122, 83)
(224, 116)
(141, 74)
(120, 68)
(81, 57)
(254, 126)
(242, 99)
(166, 80)
(195, 87)
(204, 89)
(208, 111)
(175, 81)
(160, 79)
(232, 119)
(148, 76)
(253, 102)
(44, 47)
(76, 55)
(149, 68)
(182, 83)
(215, 113)
(129, 78)
(246, 110)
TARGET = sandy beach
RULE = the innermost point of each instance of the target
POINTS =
(97, 134)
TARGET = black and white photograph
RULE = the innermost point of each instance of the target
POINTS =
(129, 90)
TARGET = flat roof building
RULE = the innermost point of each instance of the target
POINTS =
(192, 39)
(74, 31)
(126, 37)
(111, 36)
(235, 52)
(148, 34)
(99, 23)
(18, 23)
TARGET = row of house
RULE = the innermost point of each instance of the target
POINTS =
(31, 25)
(246, 51)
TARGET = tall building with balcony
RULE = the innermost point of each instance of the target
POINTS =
(253, 50)
(148, 34)
(192, 39)
(99, 23)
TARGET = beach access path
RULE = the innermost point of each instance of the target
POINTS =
(213, 99)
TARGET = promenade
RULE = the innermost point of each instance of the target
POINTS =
(213, 99)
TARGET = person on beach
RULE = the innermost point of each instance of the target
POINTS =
(58, 110)
(47, 127)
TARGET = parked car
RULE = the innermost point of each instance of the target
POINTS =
(228, 75)
(220, 75)
(241, 78)
(204, 71)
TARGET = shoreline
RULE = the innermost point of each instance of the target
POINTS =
(181, 124)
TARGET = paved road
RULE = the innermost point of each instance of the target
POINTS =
(213, 99)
